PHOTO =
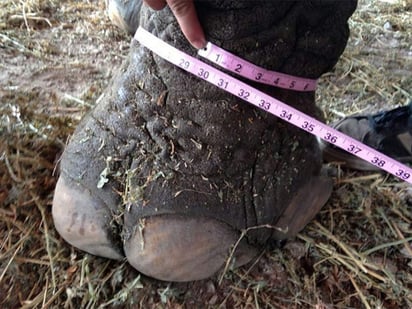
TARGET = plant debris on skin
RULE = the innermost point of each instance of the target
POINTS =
(56, 61)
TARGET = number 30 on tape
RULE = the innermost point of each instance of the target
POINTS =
(265, 102)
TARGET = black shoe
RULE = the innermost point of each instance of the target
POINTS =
(389, 132)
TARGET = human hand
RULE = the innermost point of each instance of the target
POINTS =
(186, 16)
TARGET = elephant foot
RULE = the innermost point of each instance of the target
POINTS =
(168, 247)
(181, 248)
(168, 171)
(84, 220)
(303, 208)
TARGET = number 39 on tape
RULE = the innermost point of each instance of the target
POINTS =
(265, 102)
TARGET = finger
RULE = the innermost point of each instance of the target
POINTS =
(156, 4)
(185, 13)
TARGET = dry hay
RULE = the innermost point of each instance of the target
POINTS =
(56, 59)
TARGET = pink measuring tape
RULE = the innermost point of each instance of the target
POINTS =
(246, 69)
(264, 101)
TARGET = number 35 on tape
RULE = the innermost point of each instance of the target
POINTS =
(265, 102)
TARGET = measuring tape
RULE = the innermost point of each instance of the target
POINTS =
(246, 69)
(266, 102)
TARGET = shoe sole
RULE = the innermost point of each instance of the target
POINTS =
(350, 161)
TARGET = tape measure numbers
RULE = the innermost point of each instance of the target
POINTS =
(248, 70)
(266, 102)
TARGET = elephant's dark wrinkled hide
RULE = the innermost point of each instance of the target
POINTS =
(175, 144)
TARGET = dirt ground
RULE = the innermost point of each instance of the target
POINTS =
(57, 57)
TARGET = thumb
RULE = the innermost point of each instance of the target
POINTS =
(185, 13)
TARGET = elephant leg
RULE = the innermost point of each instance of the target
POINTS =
(169, 171)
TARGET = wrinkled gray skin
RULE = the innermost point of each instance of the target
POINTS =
(177, 145)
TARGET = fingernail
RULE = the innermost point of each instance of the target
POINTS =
(199, 44)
